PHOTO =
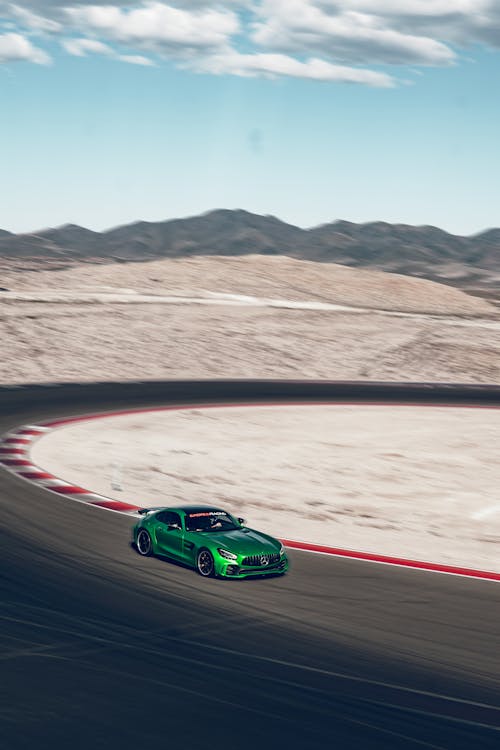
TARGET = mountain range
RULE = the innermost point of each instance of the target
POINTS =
(471, 262)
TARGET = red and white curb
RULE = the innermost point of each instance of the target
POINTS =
(15, 456)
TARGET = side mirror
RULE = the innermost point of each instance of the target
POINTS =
(241, 521)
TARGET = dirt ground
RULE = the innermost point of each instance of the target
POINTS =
(241, 317)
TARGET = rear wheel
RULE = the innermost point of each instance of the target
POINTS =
(144, 544)
(205, 563)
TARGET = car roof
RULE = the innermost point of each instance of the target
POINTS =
(186, 509)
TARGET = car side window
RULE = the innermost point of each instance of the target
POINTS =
(169, 517)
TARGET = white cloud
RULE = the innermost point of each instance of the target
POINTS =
(333, 40)
(31, 20)
(82, 47)
(411, 7)
(157, 25)
(15, 47)
(135, 60)
(343, 35)
(51, 5)
(455, 22)
(278, 65)
(462, 23)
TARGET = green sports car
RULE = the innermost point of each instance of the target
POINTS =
(210, 540)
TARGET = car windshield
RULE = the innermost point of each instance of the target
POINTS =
(209, 520)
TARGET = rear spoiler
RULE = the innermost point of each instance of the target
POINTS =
(143, 511)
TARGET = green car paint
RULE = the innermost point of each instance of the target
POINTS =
(210, 540)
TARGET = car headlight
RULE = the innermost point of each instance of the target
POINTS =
(282, 550)
(227, 555)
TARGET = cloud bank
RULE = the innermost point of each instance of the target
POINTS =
(350, 41)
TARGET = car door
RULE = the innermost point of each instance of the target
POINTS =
(169, 534)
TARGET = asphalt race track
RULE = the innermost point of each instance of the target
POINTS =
(101, 648)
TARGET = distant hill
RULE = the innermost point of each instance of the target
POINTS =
(469, 262)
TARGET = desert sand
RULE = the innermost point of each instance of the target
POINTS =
(244, 317)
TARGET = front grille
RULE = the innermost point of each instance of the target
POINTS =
(260, 561)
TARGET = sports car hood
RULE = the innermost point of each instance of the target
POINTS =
(245, 541)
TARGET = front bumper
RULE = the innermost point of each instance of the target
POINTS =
(229, 569)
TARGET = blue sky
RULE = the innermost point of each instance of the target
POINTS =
(311, 110)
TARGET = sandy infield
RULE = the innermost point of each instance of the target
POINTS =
(419, 483)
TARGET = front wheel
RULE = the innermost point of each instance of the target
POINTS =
(205, 563)
(144, 544)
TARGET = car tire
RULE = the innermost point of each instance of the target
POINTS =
(144, 544)
(205, 563)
